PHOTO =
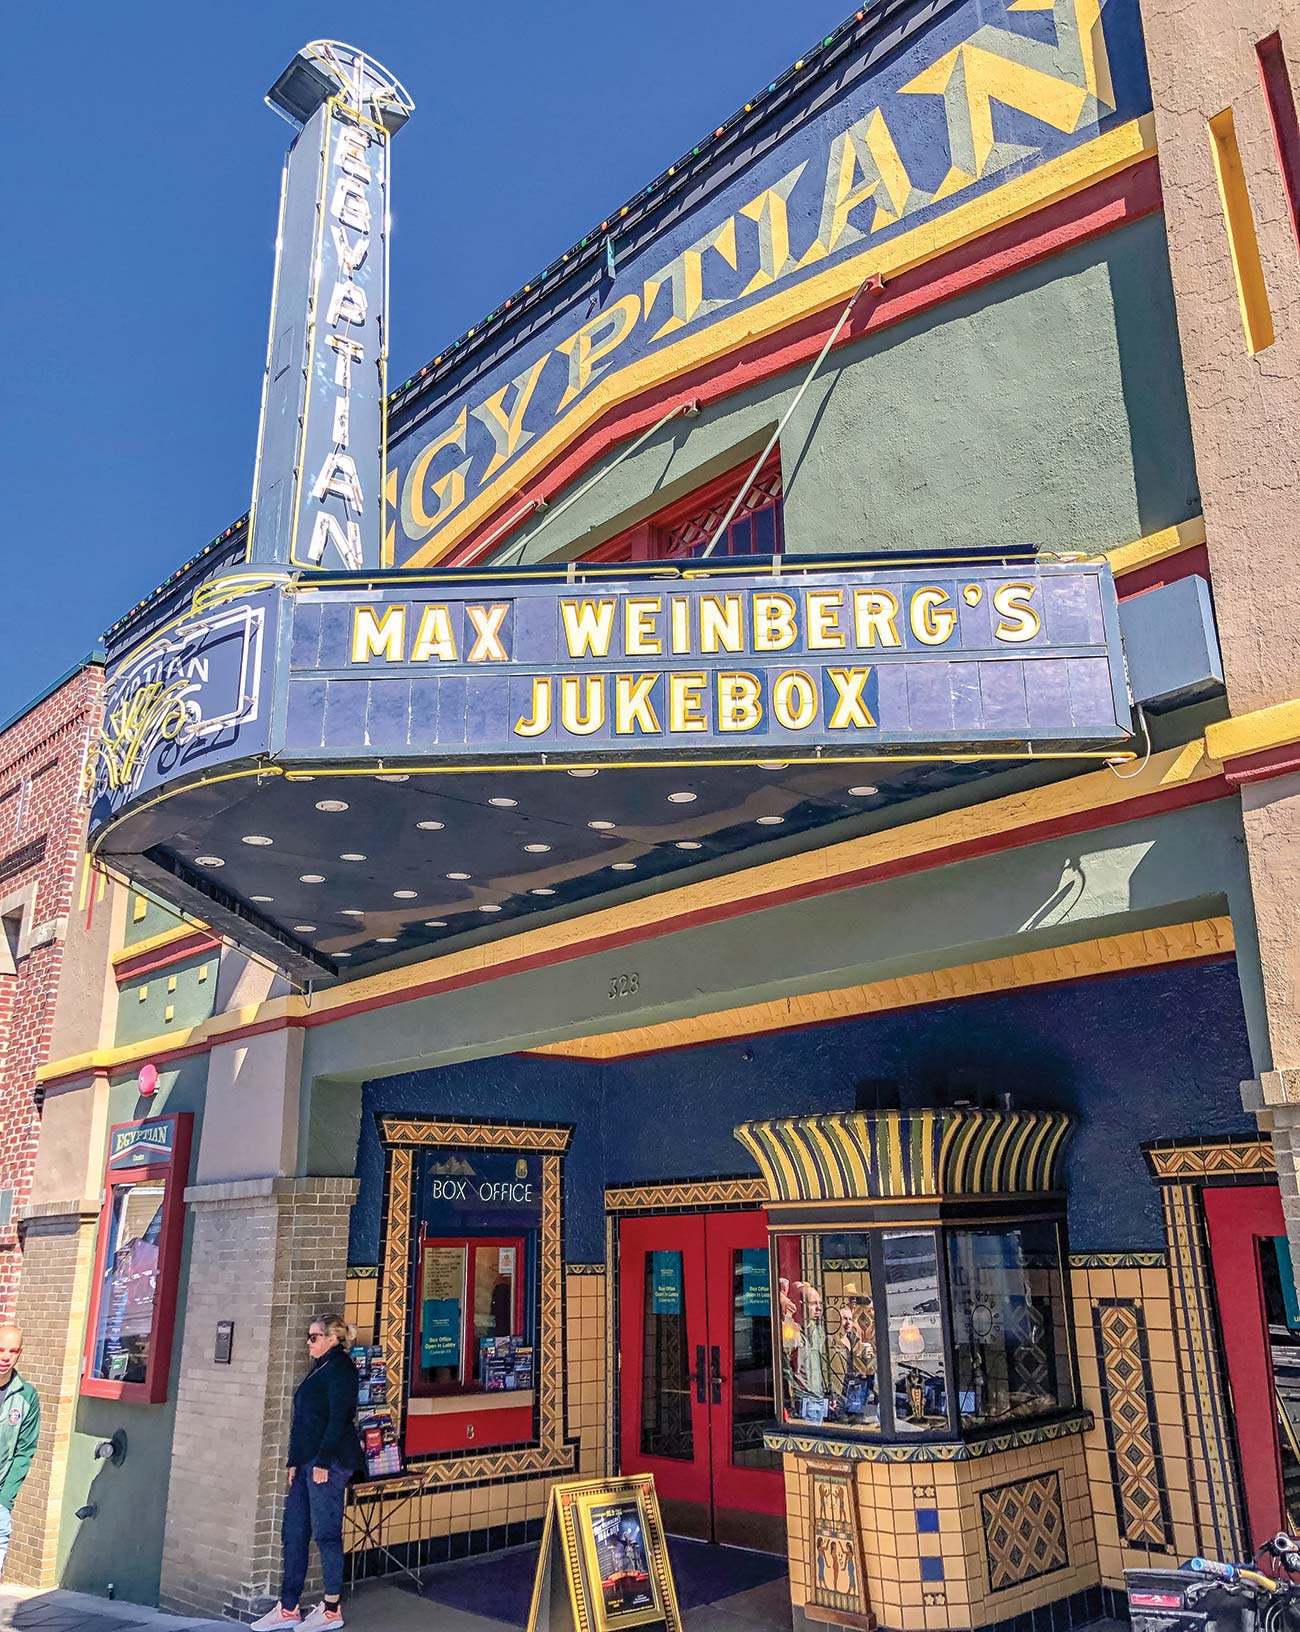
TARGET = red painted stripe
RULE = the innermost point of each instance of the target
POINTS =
(164, 956)
(1195, 559)
(1268, 762)
(1181, 798)
(1112, 203)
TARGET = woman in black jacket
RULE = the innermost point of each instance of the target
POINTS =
(324, 1454)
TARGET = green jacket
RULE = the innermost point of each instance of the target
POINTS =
(20, 1424)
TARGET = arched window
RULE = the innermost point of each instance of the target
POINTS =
(684, 529)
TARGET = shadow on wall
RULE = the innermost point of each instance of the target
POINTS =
(1148, 347)
(119, 1503)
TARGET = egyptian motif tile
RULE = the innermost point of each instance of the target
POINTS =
(1131, 1426)
(1024, 1530)
(837, 1578)
(1220, 1529)
(552, 1452)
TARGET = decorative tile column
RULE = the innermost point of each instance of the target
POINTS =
(1181, 1171)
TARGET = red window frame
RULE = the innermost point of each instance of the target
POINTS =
(172, 1173)
(659, 537)
(469, 1348)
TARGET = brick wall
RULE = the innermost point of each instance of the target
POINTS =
(58, 1257)
(267, 1254)
(42, 824)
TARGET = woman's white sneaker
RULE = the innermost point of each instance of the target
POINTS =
(322, 1617)
(279, 1617)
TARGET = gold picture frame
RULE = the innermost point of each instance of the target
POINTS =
(606, 1537)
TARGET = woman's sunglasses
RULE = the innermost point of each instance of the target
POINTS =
(315, 1337)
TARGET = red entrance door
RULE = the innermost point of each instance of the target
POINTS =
(1261, 1342)
(695, 1342)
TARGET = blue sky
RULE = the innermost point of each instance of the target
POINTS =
(145, 201)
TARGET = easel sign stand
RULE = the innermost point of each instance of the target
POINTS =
(604, 1565)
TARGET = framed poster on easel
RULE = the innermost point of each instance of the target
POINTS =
(604, 1563)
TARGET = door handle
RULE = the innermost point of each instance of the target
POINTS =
(700, 1379)
(715, 1373)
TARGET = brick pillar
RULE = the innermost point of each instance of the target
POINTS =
(58, 1254)
(267, 1254)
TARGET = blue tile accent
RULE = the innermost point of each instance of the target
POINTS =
(932, 1569)
(927, 1521)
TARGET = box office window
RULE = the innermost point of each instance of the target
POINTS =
(137, 1261)
(475, 1272)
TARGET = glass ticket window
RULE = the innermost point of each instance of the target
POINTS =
(474, 1269)
(921, 1332)
(830, 1370)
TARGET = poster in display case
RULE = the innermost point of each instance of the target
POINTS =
(137, 1260)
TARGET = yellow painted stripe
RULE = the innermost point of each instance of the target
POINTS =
(1144, 552)
(1138, 949)
(1059, 178)
(1243, 245)
(156, 943)
(1252, 733)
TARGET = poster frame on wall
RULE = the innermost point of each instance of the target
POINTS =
(152, 1150)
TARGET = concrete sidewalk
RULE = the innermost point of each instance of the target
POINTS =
(376, 1607)
(33, 1609)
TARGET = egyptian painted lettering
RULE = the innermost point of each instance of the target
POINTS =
(967, 105)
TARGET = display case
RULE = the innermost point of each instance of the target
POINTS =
(918, 1272)
(935, 1331)
(137, 1260)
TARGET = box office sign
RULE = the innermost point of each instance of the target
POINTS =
(963, 657)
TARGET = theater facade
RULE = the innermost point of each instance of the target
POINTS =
(695, 866)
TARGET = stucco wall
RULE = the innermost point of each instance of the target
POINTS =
(1046, 409)
(1245, 409)
(1148, 1056)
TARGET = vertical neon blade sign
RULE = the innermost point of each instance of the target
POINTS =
(318, 488)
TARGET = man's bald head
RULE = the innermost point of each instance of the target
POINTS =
(11, 1347)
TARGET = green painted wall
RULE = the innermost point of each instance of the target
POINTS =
(155, 919)
(1170, 869)
(1047, 409)
(122, 1544)
(167, 999)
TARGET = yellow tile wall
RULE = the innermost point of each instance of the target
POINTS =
(1148, 1289)
(448, 1512)
(889, 1494)
(359, 1304)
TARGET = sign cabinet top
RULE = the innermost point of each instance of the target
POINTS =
(328, 68)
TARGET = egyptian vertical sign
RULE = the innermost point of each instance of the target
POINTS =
(1034, 97)
(317, 491)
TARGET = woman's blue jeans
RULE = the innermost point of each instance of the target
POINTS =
(313, 1512)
